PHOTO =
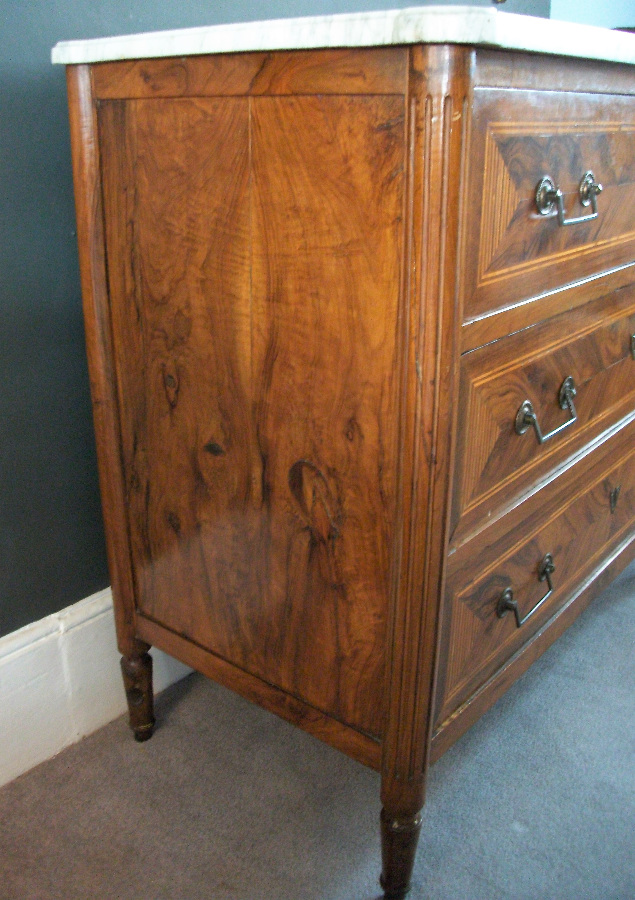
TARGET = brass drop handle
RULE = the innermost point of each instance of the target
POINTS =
(506, 600)
(549, 196)
(526, 416)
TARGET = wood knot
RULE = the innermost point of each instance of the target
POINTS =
(214, 448)
(318, 505)
(173, 521)
(171, 386)
(353, 430)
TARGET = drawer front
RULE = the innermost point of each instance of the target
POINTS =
(496, 464)
(513, 251)
(578, 520)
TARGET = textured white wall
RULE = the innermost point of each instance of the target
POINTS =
(613, 14)
(60, 680)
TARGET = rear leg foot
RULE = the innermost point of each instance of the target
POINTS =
(137, 680)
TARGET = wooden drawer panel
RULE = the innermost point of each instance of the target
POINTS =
(579, 519)
(513, 252)
(495, 465)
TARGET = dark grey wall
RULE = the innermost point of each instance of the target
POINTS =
(51, 536)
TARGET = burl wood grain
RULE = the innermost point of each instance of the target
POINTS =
(495, 465)
(578, 519)
(255, 249)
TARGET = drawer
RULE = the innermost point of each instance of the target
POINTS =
(515, 253)
(495, 464)
(578, 520)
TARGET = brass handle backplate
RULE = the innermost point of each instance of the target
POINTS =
(550, 197)
(506, 602)
(526, 416)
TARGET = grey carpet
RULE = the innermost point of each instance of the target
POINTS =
(226, 802)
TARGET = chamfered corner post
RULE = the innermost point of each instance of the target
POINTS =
(439, 82)
(136, 663)
(137, 679)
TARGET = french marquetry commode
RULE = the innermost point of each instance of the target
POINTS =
(359, 296)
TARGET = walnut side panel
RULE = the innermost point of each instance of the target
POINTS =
(255, 248)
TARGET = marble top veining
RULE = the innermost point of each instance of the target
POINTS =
(435, 25)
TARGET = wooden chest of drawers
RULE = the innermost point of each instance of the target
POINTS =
(365, 411)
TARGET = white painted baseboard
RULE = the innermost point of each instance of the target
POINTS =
(60, 680)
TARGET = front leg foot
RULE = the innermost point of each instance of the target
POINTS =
(399, 837)
(137, 680)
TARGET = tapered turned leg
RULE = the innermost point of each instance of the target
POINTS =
(137, 680)
(399, 838)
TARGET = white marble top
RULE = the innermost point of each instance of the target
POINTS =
(433, 24)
